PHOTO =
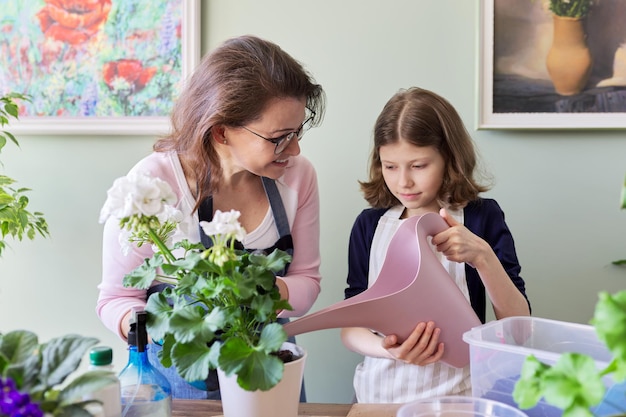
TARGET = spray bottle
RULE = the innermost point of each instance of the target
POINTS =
(145, 391)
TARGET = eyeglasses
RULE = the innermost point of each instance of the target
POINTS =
(283, 141)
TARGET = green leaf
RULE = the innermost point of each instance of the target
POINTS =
(192, 323)
(233, 353)
(143, 276)
(610, 322)
(85, 384)
(255, 369)
(527, 391)
(158, 310)
(274, 262)
(573, 382)
(61, 356)
(192, 360)
(273, 336)
(19, 350)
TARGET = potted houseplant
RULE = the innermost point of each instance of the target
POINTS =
(33, 375)
(221, 310)
(573, 383)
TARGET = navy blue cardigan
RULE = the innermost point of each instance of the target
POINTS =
(483, 217)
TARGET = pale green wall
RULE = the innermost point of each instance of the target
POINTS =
(560, 190)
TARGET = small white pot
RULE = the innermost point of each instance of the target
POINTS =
(280, 401)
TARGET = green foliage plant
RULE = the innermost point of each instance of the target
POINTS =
(221, 311)
(41, 371)
(16, 221)
(34, 376)
(574, 383)
(570, 8)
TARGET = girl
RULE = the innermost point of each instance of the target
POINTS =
(424, 161)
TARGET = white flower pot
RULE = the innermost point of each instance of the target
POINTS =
(280, 401)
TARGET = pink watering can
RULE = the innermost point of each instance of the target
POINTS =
(412, 287)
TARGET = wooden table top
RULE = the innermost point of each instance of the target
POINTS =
(211, 408)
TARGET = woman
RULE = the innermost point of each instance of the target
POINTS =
(233, 145)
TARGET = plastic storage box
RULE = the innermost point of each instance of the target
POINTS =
(498, 350)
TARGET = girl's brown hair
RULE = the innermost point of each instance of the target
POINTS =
(423, 118)
(231, 87)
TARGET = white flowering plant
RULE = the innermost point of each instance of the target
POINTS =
(221, 309)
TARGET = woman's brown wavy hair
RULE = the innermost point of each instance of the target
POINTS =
(423, 118)
(231, 87)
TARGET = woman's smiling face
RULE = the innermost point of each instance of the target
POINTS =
(251, 152)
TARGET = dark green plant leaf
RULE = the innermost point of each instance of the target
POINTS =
(260, 371)
(61, 356)
(158, 310)
(17, 346)
(272, 338)
(193, 323)
(192, 360)
(85, 384)
(143, 276)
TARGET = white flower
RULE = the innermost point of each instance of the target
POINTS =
(225, 224)
(142, 195)
(124, 238)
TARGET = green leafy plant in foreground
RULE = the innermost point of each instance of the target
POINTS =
(40, 371)
(34, 377)
(573, 383)
(16, 220)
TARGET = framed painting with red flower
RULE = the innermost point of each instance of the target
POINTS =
(97, 66)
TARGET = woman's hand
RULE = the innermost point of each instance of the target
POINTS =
(422, 347)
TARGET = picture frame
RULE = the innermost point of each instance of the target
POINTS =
(515, 90)
(144, 107)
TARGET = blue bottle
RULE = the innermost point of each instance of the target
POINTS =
(145, 391)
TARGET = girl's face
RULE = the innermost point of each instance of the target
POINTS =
(249, 150)
(414, 175)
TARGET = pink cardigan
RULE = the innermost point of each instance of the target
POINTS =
(298, 189)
